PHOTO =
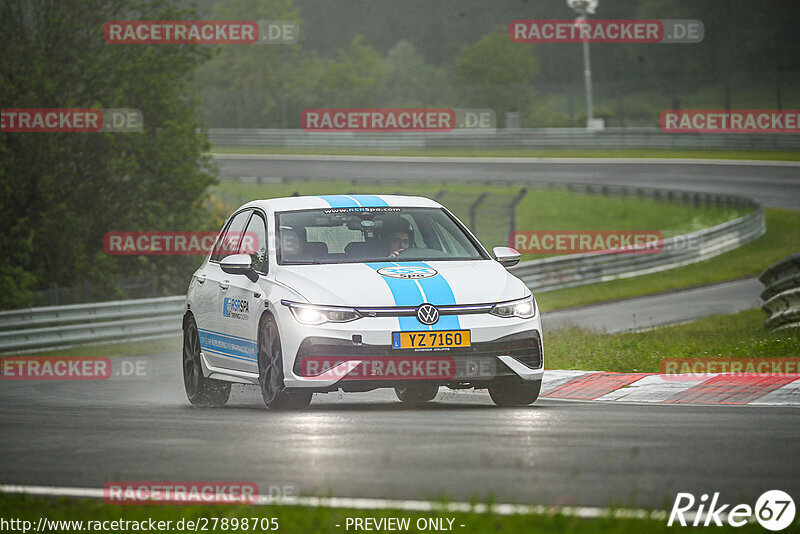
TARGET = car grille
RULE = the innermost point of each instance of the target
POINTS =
(525, 347)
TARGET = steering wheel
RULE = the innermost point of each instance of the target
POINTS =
(410, 251)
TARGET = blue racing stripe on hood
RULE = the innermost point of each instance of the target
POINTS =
(406, 292)
(439, 293)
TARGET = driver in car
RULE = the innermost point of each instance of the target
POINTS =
(291, 244)
(397, 236)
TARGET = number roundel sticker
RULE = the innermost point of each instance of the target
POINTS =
(407, 272)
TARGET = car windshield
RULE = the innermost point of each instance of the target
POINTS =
(355, 235)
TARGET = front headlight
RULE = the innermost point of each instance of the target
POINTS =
(522, 308)
(315, 315)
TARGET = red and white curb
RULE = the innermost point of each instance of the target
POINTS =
(729, 389)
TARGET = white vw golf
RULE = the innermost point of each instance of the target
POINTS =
(357, 292)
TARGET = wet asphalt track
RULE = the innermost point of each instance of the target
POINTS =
(460, 446)
(369, 445)
(776, 185)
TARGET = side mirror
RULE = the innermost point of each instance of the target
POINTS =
(507, 256)
(239, 264)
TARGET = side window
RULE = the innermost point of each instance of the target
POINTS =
(254, 242)
(229, 243)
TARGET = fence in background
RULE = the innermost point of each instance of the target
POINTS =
(62, 326)
(579, 269)
(519, 138)
(782, 293)
(490, 214)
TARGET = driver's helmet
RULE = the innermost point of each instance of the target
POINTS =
(395, 223)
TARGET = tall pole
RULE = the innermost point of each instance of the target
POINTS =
(587, 78)
(584, 8)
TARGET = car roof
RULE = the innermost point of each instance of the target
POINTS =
(342, 201)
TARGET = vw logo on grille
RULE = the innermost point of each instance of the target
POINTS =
(427, 314)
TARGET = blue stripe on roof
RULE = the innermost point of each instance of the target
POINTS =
(339, 201)
(369, 201)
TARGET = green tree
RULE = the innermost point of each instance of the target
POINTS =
(411, 81)
(254, 86)
(61, 192)
(496, 73)
(354, 77)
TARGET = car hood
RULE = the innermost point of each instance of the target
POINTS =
(361, 284)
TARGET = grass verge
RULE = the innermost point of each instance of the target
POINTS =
(739, 335)
(133, 348)
(524, 153)
(779, 241)
(310, 520)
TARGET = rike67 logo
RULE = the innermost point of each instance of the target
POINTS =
(235, 308)
(774, 510)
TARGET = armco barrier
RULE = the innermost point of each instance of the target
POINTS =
(579, 269)
(80, 324)
(63, 326)
(530, 138)
(782, 293)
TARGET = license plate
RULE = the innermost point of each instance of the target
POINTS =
(431, 340)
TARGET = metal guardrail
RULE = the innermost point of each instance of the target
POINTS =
(782, 293)
(531, 138)
(63, 326)
(78, 324)
(574, 270)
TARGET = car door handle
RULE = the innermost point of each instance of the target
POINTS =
(201, 279)
(224, 285)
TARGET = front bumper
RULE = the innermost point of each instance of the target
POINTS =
(510, 359)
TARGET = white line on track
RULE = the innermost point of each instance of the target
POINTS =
(583, 512)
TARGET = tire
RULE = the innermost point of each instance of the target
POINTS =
(416, 393)
(200, 391)
(270, 371)
(515, 395)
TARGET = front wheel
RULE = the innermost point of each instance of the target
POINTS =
(515, 395)
(200, 390)
(416, 393)
(270, 372)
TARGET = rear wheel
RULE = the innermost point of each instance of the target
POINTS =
(270, 372)
(200, 390)
(416, 393)
(515, 395)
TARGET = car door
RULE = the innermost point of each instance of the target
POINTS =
(243, 299)
(220, 349)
